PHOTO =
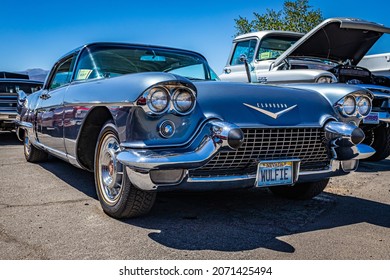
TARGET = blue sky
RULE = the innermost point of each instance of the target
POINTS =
(35, 33)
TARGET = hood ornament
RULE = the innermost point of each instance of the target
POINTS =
(271, 114)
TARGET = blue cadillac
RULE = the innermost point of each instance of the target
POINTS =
(146, 119)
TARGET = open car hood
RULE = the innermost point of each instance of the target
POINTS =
(337, 39)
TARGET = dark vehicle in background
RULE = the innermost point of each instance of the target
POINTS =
(10, 84)
(329, 53)
(146, 119)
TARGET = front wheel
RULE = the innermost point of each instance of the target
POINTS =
(31, 153)
(300, 191)
(379, 139)
(117, 196)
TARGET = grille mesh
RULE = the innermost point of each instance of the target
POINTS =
(7, 103)
(305, 144)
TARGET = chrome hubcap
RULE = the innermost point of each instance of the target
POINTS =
(110, 170)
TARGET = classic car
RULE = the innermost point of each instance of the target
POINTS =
(328, 53)
(10, 84)
(147, 118)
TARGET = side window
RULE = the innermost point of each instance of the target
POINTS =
(244, 47)
(63, 74)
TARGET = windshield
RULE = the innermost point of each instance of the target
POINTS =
(110, 61)
(273, 46)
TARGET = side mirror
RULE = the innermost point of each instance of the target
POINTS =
(244, 59)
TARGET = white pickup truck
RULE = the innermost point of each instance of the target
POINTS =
(329, 53)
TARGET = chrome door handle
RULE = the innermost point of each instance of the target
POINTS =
(45, 96)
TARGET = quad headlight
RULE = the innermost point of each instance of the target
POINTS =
(355, 105)
(364, 106)
(158, 100)
(349, 105)
(183, 100)
(176, 99)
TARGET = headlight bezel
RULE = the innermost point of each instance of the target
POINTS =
(357, 98)
(172, 92)
(179, 91)
(343, 107)
(369, 105)
(149, 100)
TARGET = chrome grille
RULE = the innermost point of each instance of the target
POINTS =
(8, 103)
(305, 144)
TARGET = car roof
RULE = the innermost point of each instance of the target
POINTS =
(119, 44)
(260, 34)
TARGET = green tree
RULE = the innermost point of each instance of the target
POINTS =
(295, 16)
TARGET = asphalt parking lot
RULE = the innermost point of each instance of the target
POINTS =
(50, 211)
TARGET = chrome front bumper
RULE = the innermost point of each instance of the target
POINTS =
(8, 116)
(141, 163)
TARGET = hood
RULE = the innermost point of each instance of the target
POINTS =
(127, 88)
(248, 105)
(337, 39)
(333, 92)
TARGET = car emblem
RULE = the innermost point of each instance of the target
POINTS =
(271, 114)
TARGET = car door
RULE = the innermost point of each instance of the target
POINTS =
(50, 109)
(235, 70)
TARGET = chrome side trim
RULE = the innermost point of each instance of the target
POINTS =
(52, 151)
(73, 161)
(124, 103)
(64, 156)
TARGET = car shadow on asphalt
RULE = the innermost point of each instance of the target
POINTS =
(247, 220)
(9, 138)
(366, 166)
(79, 179)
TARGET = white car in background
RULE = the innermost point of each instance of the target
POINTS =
(329, 53)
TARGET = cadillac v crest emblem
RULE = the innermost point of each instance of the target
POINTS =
(274, 115)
